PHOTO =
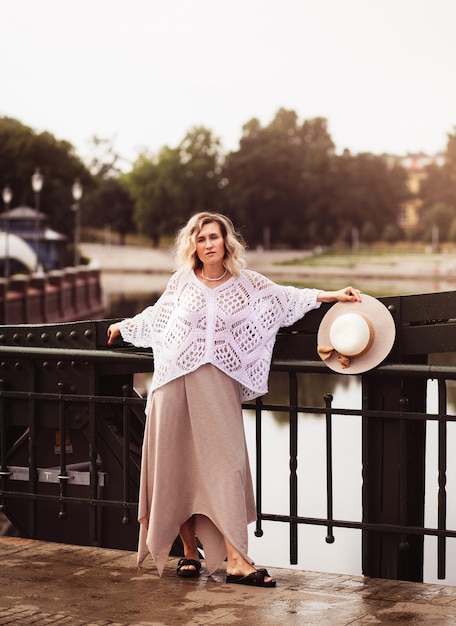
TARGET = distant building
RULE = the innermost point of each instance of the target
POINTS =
(410, 214)
(29, 224)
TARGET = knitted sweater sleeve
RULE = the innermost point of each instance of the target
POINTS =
(299, 302)
(140, 329)
(278, 305)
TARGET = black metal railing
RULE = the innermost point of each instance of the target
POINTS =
(71, 427)
(91, 475)
(294, 410)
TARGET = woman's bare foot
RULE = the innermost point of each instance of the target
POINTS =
(187, 534)
(188, 568)
(238, 566)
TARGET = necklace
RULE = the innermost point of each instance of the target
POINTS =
(213, 279)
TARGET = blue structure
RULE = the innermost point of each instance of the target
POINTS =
(29, 224)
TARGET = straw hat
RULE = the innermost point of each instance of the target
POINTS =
(355, 337)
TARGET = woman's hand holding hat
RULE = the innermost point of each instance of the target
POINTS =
(347, 294)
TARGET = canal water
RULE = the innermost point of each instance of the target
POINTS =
(314, 553)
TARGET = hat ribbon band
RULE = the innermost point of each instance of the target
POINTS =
(326, 351)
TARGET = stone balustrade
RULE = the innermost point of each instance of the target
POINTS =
(68, 295)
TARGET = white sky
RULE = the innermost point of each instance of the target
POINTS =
(144, 72)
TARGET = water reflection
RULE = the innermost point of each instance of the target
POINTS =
(126, 305)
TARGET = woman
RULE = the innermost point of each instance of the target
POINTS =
(212, 334)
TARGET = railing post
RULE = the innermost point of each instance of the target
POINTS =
(259, 474)
(393, 477)
(56, 311)
(16, 308)
(293, 404)
(3, 296)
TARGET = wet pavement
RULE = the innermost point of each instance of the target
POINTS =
(49, 583)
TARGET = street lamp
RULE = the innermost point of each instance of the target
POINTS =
(37, 184)
(76, 190)
(7, 196)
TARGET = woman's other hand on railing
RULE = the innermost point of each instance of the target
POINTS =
(113, 332)
(347, 294)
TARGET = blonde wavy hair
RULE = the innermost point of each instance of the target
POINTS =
(185, 246)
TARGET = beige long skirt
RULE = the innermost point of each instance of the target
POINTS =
(195, 462)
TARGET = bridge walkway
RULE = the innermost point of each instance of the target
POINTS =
(48, 583)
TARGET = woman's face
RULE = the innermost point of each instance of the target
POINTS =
(210, 245)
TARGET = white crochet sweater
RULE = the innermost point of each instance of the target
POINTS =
(233, 326)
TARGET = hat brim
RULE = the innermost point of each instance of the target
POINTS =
(384, 334)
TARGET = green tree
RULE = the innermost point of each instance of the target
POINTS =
(200, 156)
(110, 204)
(391, 233)
(316, 182)
(452, 233)
(437, 220)
(367, 189)
(103, 161)
(151, 184)
(276, 178)
(439, 184)
(179, 181)
(22, 150)
(369, 232)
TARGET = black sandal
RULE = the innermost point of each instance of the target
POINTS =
(255, 579)
(188, 573)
